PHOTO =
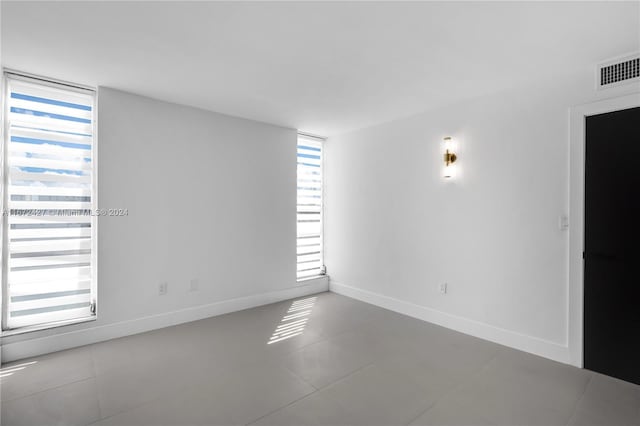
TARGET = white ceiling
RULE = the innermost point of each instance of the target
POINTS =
(324, 68)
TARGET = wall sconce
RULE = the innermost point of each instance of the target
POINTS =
(449, 158)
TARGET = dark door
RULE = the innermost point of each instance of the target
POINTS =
(612, 238)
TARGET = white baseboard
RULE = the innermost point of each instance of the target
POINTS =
(484, 331)
(66, 340)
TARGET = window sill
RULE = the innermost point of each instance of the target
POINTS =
(314, 277)
(41, 327)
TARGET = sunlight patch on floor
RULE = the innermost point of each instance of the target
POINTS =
(9, 371)
(294, 320)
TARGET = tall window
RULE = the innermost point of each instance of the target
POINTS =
(309, 207)
(48, 195)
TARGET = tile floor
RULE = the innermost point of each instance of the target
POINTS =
(331, 361)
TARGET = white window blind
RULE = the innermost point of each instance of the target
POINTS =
(310, 261)
(48, 193)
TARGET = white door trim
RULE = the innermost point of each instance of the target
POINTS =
(576, 212)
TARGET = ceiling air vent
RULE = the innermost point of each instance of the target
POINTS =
(619, 71)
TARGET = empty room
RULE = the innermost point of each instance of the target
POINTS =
(319, 213)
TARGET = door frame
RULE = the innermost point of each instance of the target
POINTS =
(577, 134)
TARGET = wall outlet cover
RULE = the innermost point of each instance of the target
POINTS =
(163, 288)
(194, 284)
(563, 222)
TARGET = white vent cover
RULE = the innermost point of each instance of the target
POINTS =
(618, 71)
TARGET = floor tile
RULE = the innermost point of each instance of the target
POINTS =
(373, 396)
(514, 388)
(38, 374)
(353, 364)
(133, 385)
(324, 362)
(608, 401)
(254, 391)
(113, 354)
(442, 366)
(454, 412)
(192, 405)
(71, 404)
(313, 410)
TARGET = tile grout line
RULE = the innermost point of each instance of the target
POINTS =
(309, 394)
(575, 408)
(48, 389)
(283, 407)
(323, 339)
(95, 377)
(473, 375)
(134, 407)
(302, 379)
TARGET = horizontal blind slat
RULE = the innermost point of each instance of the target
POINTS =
(17, 234)
(49, 261)
(54, 205)
(26, 119)
(60, 274)
(50, 302)
(49, 191)
(19, 149)
(20, 175)
(50, 245)
(45, 220)
(63, 94)
(309, 274)
(49, 286)
(78, 164)
(38, 136)
(48, 105)
(67, 313)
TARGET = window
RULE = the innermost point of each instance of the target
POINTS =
(309, 207)
(48, 195)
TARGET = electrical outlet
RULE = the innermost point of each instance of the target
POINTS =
(163, 288)
(194, 285)
(563, 222)
(443, 288)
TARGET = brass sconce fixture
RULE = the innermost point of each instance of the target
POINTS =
(449, 158)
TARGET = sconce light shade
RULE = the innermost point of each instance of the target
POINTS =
(449, 158)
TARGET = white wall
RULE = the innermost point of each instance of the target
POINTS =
(395, 229)
(209, 196)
